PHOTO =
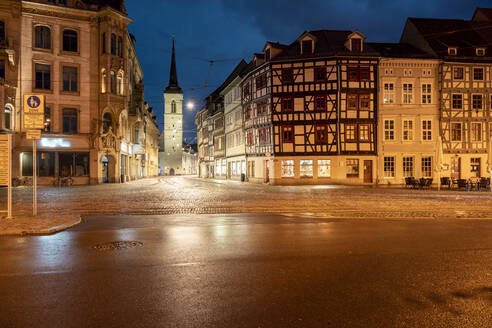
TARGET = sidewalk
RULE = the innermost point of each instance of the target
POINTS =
(40, 225)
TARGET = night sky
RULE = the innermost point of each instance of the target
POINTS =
(227, 31)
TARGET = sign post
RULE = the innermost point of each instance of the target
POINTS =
(34, 123)
(6, 168)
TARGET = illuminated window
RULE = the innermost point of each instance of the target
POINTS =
(475, 166)
(352, 166)
(407, 93)
(352, 102)
(119, 83)
(324, 168)
(287, 168)
(389, 93)
(306, 168)
(364, 132)
(350, 132)
(103, 81)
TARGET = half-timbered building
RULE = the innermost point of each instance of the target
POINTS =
(324, 109)
(466, 87)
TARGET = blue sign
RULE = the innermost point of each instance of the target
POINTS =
(33, 101)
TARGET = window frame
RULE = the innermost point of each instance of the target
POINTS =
(427, 133)
(34, 86)
(406, 94)
(324, 73)
(361, 132)
(35, 38)
(353, 128)
(408, 129)
(288, 128)
(321, 140)
(478, 69)
(453, 131)
(290, 100)
(462, 69)
(324, 98)
(426, 95)
(388, 94)
(291, 165)
(458, 101)
(77, 116)
(389, 166)
(62, 43)
(287, 76)
(62, 74)
(389, 130)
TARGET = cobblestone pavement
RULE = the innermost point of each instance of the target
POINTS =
(188, 195)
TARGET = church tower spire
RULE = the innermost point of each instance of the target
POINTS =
(173, 86)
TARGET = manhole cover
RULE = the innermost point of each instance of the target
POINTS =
(116, 245)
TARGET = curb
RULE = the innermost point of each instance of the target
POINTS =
(47, 231)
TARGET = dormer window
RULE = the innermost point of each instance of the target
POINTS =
(356, 45)
(480, 51)
(452, 51)
(307, 47)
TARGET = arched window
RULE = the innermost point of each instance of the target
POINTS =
(113, 82)
(42, 37)
(113, 44)
(3, 39)
(7, 117)
(70, 42)
(119, 83)
(107, 122)
(103, 81)
(173, 107)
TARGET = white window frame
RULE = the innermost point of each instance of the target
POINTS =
(426, 93)
(390, 160)
(388, 93)
(407, 93)
(405, 161)
(426, 131)
(410, 128)
(389, 130)
(429, 169)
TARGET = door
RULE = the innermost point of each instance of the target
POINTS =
(105, 172)
(267, 172)
(455, 168)
(368, 171)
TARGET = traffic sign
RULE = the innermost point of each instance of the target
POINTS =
(34, 111)
(4, 159)
(33, 134)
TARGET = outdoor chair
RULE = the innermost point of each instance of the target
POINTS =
(463, 184)
(484, 184)
(425, 183)
(411, 182)
(446, 181)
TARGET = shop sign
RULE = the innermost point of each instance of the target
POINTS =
(54, 143)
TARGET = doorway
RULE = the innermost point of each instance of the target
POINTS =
(368, 171)
(171, 171)
(105, 171)
(455, 168)
(267, 172)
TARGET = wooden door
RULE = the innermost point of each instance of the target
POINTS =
(455, 168)
(368, 171)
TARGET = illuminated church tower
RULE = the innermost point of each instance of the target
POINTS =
(171, 147)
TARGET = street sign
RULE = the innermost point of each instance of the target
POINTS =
(33, 134)
(4, 160)
(34, 111)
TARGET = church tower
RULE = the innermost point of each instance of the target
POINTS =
(171, 148)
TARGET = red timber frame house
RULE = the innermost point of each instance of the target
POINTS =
(310, 111)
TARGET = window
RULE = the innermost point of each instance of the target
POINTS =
(70, 120)
(427, 130)
(73, 164)
(107, 122)
(364, 73)
(287, 168)
(307, 47)
(70, 42)
(45, 164)
(287, 76)
(356, 45)
(70, 78)
(426, 93)
(119, 83)
(287, 104)
(353, 73)
(364, 102)
(480, 51)
(247, 114)
(427, 167)
(320, 74)
(408, 167)
(358, 73)
(264, 136)
(246, 91)
(389, 167)
(306, 168)
(350, 132)
(47, 119)
(352, 168)
(120, 46)
(320, 102)
(407, 72)
(7, 118)
(112, 82)
(477, 102)
(457, 101)
(103, 81)
(261, 81)
(408, 130)
(389, 130)
(324, 168)
(249, 138)
(478, 74)
(364, 132)
(476, 132)
(2, 69)
(287, 134)
(320, 134)
(42, 38)
(458, 73)
(43, 76)
(456, 132)
(3, 39)
(103, 41)
(475, 166)
(407, 93)
(452, 51)
(261, 108)
(389, 93)
(113, 44)
(173, 107)
(352, 102)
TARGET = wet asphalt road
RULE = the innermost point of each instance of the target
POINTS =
(248, 270)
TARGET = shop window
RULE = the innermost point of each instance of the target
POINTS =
(287, 168)
(70, 123)
(103, 80)
(306, 168)
(475, 166)
(45, 164)
(352, 166)
(324, 168)
(42, 37)
(70, 42)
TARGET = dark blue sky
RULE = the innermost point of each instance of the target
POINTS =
(228, 30)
